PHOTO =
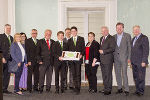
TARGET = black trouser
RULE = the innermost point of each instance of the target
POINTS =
(76, 72)
(107, 76)
(45, 69)
(6, 76)
(91, 75)
(70, 75)
(33, 70)
(60, 69)
(139, 77)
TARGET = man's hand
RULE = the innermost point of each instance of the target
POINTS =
(94, 61)
(80, 56)
(129, 61)
(19, 64)
(60, 58)
(4, 60)
(143, 64)
(29, 63)
(40, 63)
(101, 52)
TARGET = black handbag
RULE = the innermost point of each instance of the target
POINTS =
(12, 66)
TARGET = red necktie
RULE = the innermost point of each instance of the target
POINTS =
(48, 44)
(103, 41)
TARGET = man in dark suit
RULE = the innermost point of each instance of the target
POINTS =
(33, 68)
(76, 44)
(139, 59)
(107, 47)
(67, 37)
(45, 59)
(5, 41)
(59, 64)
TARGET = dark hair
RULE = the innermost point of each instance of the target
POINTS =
(34, 29)
(23, 34)
(7, 25)
(60, 32)
(67, 29)
(73, 27)
(119, 23)
(91, 34)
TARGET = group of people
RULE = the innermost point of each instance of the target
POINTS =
(39, 58)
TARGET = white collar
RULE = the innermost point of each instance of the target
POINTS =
(75, 37)
(60, 41)
(7, 35)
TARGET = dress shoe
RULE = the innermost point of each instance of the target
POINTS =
(93, 91)
(57, 92)
(89, 90)
(139, 94)
(71, 88)
(107, 93)
(62, 91)
(119, 91)
(47, 90)
(40, 91)
(101, 91)
(36, 90)
(126, 93)
(7, 92)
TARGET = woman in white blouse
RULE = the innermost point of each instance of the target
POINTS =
(17, 51)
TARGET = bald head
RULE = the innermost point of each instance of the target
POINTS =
(48, 34)
(104, 30)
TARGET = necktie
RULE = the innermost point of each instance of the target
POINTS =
(9, 40)
(35, 41)
(103, 41)
(48, 44)
(74, 40)
(61, 45)
(134, 41)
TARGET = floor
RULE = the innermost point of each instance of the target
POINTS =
(84, 95)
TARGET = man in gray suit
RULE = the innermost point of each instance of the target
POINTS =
(122, 58)
(68, 36)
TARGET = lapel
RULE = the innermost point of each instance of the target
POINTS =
(5, 36)
(45, 44)
(137, 40)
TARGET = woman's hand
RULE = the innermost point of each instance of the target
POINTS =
(19, 64)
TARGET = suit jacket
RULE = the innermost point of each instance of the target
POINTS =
(80, 45)
(93, 52)
(43, 53)
(140, 50)
(5, 46)
(123, 52)
(31, 48)
(65, 40)
(16, 53)
(57, 51)
(108, 48)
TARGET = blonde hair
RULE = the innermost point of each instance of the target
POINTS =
(136, 26)
(17, 34)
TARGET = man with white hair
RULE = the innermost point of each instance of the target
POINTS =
(107, 47)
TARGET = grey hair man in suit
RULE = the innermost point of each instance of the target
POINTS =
(67, 37)
(122, 58)
(139, 59)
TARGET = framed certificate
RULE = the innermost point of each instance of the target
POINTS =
(69, 55)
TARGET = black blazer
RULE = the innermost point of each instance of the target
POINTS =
(80, 45)
(140, 50)
(93, 52)
(31, 50)
(5, 46)
(57, 51)
(43, 53)
(108, 48)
